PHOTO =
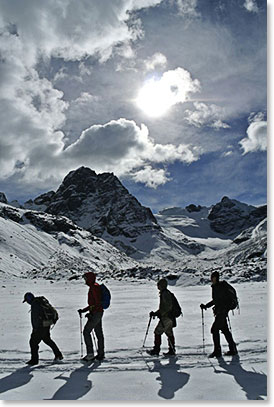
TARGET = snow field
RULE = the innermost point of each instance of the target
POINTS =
(126, 373)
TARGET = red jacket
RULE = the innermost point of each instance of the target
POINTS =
(94, 295)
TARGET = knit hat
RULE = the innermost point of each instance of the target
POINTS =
(162, 284)
(215, 274)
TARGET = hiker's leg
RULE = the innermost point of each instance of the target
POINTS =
(48, 341)
(99, 335)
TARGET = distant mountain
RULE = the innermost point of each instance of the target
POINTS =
(93, 222)
(224, 220)
(104, 207)
(231, 217)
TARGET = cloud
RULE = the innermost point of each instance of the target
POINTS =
(206, 115)
(251, 6)
(256, 139)
(158, 95)
(120, 146)
(123, 147)
(157, 59)
(33, 111)
(151, 177)
(187, 7)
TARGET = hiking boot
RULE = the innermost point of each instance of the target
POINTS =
(99, 357)
(89, 357)
(231, 352)
(215, 354)
(59, 357)
(32, 362)
(153, 352)
(171, 352)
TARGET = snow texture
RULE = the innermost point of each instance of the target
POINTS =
(126, 373)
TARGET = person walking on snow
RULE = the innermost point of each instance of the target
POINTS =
(221, 308)
(166, 323)
(39, 331)
(94, 318)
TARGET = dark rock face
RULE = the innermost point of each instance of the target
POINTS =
(231, 217)
(3, 198)
(101, 204)
(193, 208)
(49, 223)
(44, 199)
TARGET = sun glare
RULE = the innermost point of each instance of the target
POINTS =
(155, 98)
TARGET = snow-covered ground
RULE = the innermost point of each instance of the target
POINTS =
(126, 374)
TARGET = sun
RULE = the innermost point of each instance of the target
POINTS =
(155, 98)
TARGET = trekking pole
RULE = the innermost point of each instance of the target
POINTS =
(94, 340)
(149, 322)
(81, 336)
(203, 330)
(229, 324)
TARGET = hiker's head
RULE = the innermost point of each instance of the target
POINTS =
(90, 278)
(215, 277)
(28, 297)
(162, 284)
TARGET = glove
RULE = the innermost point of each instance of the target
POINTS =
(80, 312)
(152, 314)
(203, 306)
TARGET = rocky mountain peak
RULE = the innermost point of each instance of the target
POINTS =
(3, 198)
(100, 204)
(230, 216)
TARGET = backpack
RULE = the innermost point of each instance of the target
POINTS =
(231, 297)
(50, 315)
(106, 296)
(176, 309)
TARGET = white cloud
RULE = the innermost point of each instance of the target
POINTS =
(251, 6)
(151, 177)
(158, 95)
(157, 59)
(256, 117)
(84, 98)
(206, 115)
(122, 146)
(187, 7)
(227, 153)
(256, 139)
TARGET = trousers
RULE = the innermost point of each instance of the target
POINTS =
(94, 322)
(38, 335)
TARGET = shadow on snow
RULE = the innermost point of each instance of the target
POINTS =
(16, 379)
(76, 385)
(253, 383)
(171, 378)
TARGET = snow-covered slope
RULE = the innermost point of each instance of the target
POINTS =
(39, 244)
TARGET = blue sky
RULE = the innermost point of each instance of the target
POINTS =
(169, 95)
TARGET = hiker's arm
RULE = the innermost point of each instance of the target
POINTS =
(210, 304)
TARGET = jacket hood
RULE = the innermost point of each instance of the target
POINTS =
(90, 278)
